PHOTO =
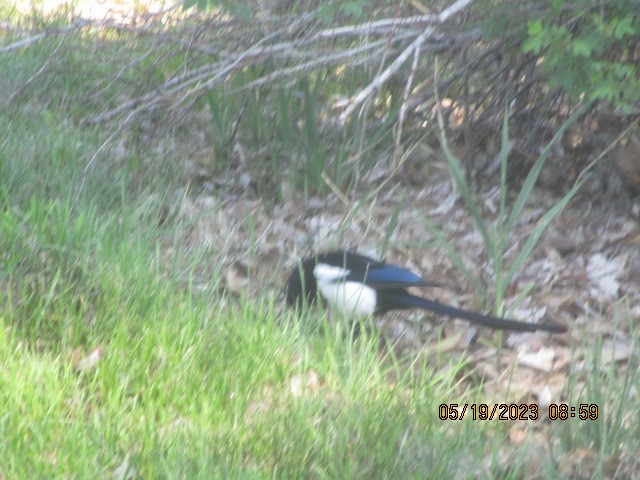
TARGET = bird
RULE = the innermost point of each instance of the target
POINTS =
(359, 286)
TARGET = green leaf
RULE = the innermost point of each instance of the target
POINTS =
(533, 45)
(326, 12)
(534, 28)
(582, 47)
(622, 27)
(353, 9)
(242, 10)
(537, 39)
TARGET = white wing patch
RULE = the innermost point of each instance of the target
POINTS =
(351, 298)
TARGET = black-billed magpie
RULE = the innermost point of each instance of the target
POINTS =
(359, 286)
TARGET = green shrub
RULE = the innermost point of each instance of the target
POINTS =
(589, 49)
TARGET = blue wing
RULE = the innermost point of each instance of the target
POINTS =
(340, 266)
(387, 276)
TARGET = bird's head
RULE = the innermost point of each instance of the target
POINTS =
(301, 288)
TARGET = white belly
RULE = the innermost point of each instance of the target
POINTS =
(351, 298)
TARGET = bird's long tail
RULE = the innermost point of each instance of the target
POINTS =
(412, 301)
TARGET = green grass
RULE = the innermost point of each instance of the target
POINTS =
(495, 234)
(192, 383)
(187, 387)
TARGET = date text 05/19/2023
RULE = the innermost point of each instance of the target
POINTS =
(515, 411)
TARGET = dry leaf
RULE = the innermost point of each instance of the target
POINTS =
(89, 362)
(549, 389)
(545, 359)
(615, 351)
(603, 273)
(125, 471)
(304, 382)
(517, 434)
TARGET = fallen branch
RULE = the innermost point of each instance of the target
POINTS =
(353, 102)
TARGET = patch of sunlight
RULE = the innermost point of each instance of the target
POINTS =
(95, 10)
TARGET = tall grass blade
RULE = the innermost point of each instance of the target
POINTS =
(539, 229)
(442, 242)
(391, 227)
(463, 186)
(534, 173)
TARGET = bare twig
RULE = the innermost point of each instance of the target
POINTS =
(353, 102)
(78, 23)
(33, 77)
(403, 108)
(288, 41)
(83, 175)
